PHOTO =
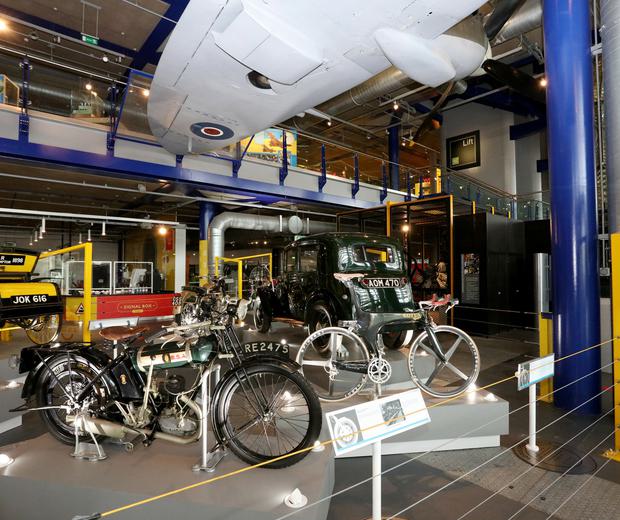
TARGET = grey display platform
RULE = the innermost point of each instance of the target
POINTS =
(46, 483)
(449, 427)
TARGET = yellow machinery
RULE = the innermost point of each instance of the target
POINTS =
(31, 305)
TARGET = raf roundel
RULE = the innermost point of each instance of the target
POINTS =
(213, 131)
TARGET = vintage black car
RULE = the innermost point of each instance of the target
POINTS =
(307, 292)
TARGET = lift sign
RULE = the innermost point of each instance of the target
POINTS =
(12, 259)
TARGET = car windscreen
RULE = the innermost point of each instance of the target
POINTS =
(370, 257)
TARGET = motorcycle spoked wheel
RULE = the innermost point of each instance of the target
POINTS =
(262, 320)
(292, 422)
(72, 374)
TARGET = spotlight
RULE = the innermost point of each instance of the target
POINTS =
(395, 106)
(282, 341)
(543, 82)
(103, 229)
(36, 236)
(3, 25)
(145, 92)
(105, 58)
(162, 230)
(79, 238)
(329, 122)
(5, 460)
(40, 234)
(88, 86)
(88, 236)
(43, 225)
(405, 228)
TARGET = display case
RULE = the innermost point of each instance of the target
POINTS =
(73, 279)
(133, 277)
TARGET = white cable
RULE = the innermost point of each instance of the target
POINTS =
(448, 442)
(578, 489)
(461, 477)
(534, 465)
(562, 475)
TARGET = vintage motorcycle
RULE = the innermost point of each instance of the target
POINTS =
(261, 408)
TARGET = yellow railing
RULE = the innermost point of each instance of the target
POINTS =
(88, 281)
(239, 261)
(615, 320)
(545, 341)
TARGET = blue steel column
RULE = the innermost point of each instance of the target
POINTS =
(394, 154)
(575, 284)
(208, 210)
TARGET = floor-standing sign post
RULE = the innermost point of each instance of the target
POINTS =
(528, 375)
(369, 423)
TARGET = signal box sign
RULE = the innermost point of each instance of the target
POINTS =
(463, 151)
(138, 306)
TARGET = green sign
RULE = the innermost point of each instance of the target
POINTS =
(90, 39)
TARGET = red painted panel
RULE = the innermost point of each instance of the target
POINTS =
(135, 306)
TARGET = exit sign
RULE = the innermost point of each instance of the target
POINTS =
(90, 39)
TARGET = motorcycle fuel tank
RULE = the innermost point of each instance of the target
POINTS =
(173, 355)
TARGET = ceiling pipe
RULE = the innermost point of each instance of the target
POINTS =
(527, 18)
(231, 220)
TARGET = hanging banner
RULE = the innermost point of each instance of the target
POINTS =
(268, 145)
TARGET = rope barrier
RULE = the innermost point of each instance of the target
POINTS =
(533, 466)
(563, 474)
(461, 477)
(443, 445)
(564, 502)
(325, 443)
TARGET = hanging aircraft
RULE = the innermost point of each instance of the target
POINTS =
(235, 67)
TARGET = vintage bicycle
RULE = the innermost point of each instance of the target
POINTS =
(443, 360)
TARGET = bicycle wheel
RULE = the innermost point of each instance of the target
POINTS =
(321, 355)
(264, 412)
(446, 377)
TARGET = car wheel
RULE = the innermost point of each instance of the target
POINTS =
(262, 320)
(320, 318)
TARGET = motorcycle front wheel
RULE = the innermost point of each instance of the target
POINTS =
(266, 412)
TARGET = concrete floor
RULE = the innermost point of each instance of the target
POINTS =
(421, 476)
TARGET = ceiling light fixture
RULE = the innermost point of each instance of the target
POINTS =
(79, 238)
(543, 82)
(88, 86)
(3, 25)
(329, 122)
(103, 229)
(88, 236)
(162, 230)
(145, 92)
(43, 225)
(395, 106)
(105, 58)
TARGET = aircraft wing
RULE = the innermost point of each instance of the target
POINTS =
(210, 90)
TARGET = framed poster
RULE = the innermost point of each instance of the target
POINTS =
(463, 151)
(470, 278)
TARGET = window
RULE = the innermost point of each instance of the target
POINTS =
(291, 260)
(371, 257)
(308, 258)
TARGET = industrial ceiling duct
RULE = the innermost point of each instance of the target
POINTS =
(231, 220)
(525, 19)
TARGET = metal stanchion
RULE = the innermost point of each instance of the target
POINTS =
(208, 460)
(531, 445)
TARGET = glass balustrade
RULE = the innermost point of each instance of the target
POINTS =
(122, 109)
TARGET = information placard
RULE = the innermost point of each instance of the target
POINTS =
(360, 425)
(534, 371)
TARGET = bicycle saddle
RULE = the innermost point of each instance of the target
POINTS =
(345, 277)
(120, 333)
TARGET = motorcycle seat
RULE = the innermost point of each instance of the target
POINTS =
(120, 333)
